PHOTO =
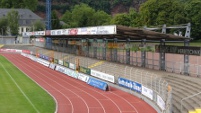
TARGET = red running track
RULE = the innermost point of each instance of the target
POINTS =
(74, 96)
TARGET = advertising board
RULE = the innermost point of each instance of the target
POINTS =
(130, 84)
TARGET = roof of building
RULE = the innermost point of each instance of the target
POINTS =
(109, 32)
(26, 16)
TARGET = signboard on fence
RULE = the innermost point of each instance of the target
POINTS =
(83, 77)
(97, 83)
(179, 49)
(85, 70)
(56, 61)
(160, 102)
(102, 76)
(130, 84)
(147, 92)
(66, 64)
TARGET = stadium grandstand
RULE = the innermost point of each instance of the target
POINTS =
(134, 54)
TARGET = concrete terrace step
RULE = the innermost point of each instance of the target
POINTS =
(188, 82)
(183, 86)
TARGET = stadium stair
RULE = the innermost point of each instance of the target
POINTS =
(182, 88)
(96, 64)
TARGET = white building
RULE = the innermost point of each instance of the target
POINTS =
(26, 18)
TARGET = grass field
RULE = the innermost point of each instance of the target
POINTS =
(19, 94)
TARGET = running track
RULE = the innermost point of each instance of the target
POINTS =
(74, 96)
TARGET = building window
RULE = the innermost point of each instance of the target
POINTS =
(22, 29)
(27, 29)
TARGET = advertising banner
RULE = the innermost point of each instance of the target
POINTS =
(83, 77)
(147, 92)
(60, 68)
(39, 33)
(56, 61)
(102, 76)
(64, 31)
(179, 49)
(43, 62)
(85, 70)
(97, 83)
(87, 30)
(73, 31)
(71, 73)
(111, 29)
(57, 32)
(26, 51)
(130, 84)
(52, 66)
(72, 66)
(61, 62)
(160, 102)
(66, 64)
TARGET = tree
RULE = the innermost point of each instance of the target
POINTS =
(121, 19)
(158, 12)
(30, 4)
(55, 21)
(134, 18)
(13, 25)
(38, 26)
(101, 18)
(3, 25)
(82, 15)
(193, 12)
(126, 19)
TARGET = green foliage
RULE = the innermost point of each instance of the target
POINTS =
(172, 12)
(193, 12)
(82, 15)
(101, 18)
(37, 26)
(130, 19)
(121, 19)
(158, 12)
(3, 25)
(13, 25)
(30, 4)
(55, 21)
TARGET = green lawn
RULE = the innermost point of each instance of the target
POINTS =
(19, 94)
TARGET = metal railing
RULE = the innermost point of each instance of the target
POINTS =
(187, 98)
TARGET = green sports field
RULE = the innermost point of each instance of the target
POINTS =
(19, 94)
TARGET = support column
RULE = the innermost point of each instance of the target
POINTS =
(68, 46)
(162, 54)
(95, 48)
(87, 48)
(128, 52)
(143, 54)
(60, 45)
(104, 49)
(186, 59)
(115, 50)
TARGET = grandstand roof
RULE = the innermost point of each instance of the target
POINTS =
(111, 31)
